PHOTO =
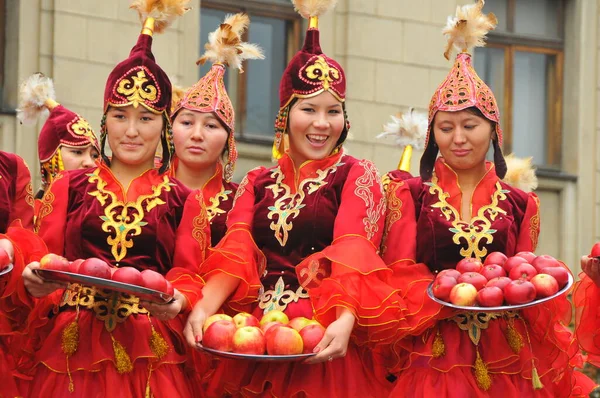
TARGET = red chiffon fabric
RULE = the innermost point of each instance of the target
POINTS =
(586, 299)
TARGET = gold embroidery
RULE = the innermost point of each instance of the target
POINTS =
(479, 229)
(287, 207)
(475, 322)
(135, 91)
(394, 206)
(110, 307)
(199, 225)
(45, 205)
(29, 195)
(320, 70)
(213, 209)
(279, 298)
(534, 225)
(127, 222)
(81, 127)
(363, 191)
(312, 273)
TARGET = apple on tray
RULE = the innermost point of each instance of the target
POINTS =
(559, 273)
(449, 272)
(492, 271)
(154, 281)
(284, 341)
(274, 316)
(214, 318)
(490, 297)
(529, 256)
(443, 286)
(500, 282)
(54, 262)
(463, 294)
(128, 275)
(474, 278)
(545, 261)
(519, 291)
(219, 335)
(311, 336)
(469, 265)
(95, 267)
(545, 285)
(512, 262)
(522, 271)
(248, 340)
(498, 258)
(245, 319)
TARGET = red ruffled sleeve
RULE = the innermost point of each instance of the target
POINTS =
(530, 225)
(191, 244)
(586, 299)
(23, 200)
(52, 217)
(237, 254)
(349, 273)
(400, 252)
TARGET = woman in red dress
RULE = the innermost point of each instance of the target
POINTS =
(302, 238)
(88, 341)
(66, 141)
(458, 208)
(204, 125)
(21, 245)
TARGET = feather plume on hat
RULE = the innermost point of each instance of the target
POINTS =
(468, 28)
(36, 96)
(163, 12)
(408, 128)
(225, 44)
(520, 173)
(313, 8)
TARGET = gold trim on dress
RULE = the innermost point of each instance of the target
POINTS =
(394, 207)
(279, 298)
(126, 223)
(363, 191)
(109, 307)
(478, 230)
(214, 209)
(288, 206)
(475, 322)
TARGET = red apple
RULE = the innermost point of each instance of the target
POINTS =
(274, 316)
(96, 268)
(266, 326)
(529, 256)
(559, 273)
(153, 280)
(443, 286)
(490, 297)
(512, 262)
(128, 275)
(495, 258)
(4, 259)
(311, 337)
(500, 282)
(300, 322)
(249, 340)
(54, 262)
(469, 265)
(595, 250)
(522, 271)
(244, 319)
(214, 318)
(284, 341)
(219, 335)
(463, 294)
(545, 285)
(493, 271)
(270, 330)
(545, 261)
(449, 272)
(74, 266)
(474, 279)
(519, 292)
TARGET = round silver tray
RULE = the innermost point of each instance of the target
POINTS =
(259, 358)
(6, 270)
(141, 292)
(502, 307)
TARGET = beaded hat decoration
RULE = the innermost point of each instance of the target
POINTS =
(62, 128)
(310, 72)
(225, 48)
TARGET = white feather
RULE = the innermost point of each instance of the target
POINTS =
(33, 94)
(409, 128)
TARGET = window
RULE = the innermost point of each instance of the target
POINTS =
(276, 27)
(523, 65)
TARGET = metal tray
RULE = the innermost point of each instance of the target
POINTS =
(141, 292)
(259, 358)
(502, 307)
(6, 270)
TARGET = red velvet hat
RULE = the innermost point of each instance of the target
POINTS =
(139, 80)
(309, 73)
(62, 128)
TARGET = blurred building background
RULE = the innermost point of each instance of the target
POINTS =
(542, 63)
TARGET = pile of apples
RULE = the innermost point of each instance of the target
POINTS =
(100, 269)
(4, 259)
(275, 334)
(516, 280)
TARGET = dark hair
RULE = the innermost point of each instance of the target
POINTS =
(430, 153)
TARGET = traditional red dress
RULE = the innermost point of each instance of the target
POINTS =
(468, 354)
(16, 219)
(308, 239)
(157, 224)
(586, 299)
